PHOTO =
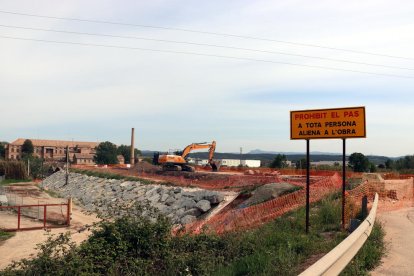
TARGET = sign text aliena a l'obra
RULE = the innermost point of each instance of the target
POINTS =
(328, 123)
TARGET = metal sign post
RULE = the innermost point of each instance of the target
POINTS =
(307, 185)
(343, 180)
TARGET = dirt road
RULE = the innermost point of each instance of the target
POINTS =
(399, 227)
(23, 244)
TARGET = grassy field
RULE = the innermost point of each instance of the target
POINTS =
(6, 182)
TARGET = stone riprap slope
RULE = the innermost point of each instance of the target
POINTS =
(182, 205)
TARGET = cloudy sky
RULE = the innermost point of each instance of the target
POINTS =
(228, 71)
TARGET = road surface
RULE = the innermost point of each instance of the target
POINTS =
(399, 228)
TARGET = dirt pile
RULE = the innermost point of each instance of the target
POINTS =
(146, 167)
(269, 192)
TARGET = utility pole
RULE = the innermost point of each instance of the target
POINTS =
(28, 167)
(132, 158)
(241, 153)
(67, 166)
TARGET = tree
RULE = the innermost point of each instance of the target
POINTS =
(27, 148)
(372, 167)
(407, 162)
(125, 151)
(106, 153)
(301, 164)
(389, 164)
(279, 162)
(359, 162)
(2, 150)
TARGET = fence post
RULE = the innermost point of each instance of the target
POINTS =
(364, 207)
(44, 216)
(18, 218)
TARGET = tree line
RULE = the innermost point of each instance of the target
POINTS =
(358, 162)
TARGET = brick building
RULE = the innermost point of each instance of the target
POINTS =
(54, 150)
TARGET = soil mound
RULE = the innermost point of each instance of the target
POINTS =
(146, 167)
(269, 192)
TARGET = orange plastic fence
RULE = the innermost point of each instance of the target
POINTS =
(394, 194)
(260, 213)
(201, 180)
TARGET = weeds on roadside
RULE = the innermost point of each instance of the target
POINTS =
(369, 256)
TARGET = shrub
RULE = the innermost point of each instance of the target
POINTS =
(329, 214)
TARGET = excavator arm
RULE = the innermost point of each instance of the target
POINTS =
(211, 151)
(196, 146)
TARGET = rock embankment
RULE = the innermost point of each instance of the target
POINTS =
(182, 205)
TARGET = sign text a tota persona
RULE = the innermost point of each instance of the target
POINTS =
(328, 123)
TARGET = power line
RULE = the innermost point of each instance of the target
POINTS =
(208, 33)
(208, 45)
(206, 55)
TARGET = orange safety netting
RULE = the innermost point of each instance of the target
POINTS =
(254, 215)
(393, 194)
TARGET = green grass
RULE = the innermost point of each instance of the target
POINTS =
(280, 247)
(5, 235)
(13, 181)
(353, 182)
(108, 175)
(370, 254)
(329, 213)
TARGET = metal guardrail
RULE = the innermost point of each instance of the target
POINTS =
(338, 258)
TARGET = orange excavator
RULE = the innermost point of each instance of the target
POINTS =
(178, 160)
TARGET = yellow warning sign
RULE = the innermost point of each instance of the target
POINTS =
(328, 123)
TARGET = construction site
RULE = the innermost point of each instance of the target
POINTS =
(211, 198)
(197, 200)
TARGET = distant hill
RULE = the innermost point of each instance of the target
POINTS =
(258, 151)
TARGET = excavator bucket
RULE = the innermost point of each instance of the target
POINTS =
(213, 166)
